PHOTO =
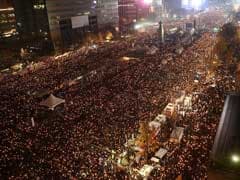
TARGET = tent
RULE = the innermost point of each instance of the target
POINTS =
(161, 118)
(16, 67)
(159, 155)
(154, 125)
(123, 161)
(188, 102)
(177, 134)
(146, 170)
(51, 102)
(169, 110)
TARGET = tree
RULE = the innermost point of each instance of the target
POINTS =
(228, 43)
(146, 139)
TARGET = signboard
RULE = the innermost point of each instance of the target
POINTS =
(79, 21)
(194, 4)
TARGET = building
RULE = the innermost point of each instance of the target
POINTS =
(62, 22)
(195, 5)
(107, 13)
(131, 11)
(157, 10)
(127, 13)
(226, 148)
(7, 19)
(31, 17)
(173, 7)
(70, 20)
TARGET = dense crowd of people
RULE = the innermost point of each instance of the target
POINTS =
(104, 108)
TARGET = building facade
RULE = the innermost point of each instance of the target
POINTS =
(107, 13)
(173, 6)
(31, 17)
(7, 19)
(70, 20)
(226, 148)
(131, 11)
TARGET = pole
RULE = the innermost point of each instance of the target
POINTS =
(147, 141)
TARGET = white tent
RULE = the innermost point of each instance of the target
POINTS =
(51, 102)
(188, 102)
(16, 67)
(146, 170)
(180, 100)
(177, 134)
(154, 125)
(159, 155)
(161, 118)
(169, 109)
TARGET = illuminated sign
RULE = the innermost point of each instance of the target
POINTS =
(194, 4)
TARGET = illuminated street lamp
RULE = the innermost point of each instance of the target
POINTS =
(235, 158)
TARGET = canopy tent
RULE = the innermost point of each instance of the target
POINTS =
(123, 160)
(161, 118)
(177, 134)
(17, 67)
(51, 102)
(154, 125)
(180, 100)
(159, 155)
(188, 102)
(146, 170)
(169, 110)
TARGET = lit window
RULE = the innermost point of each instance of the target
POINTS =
(39, 6)
(7, 9)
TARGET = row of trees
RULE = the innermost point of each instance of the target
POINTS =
(227, 47)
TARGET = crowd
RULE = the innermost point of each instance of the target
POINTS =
(191, 159)
(75, 141)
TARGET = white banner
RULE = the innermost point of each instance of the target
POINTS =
(79, 21)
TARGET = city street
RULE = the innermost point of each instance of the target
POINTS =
(105, 108)
(70, 116)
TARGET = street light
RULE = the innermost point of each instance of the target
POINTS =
(235, 158)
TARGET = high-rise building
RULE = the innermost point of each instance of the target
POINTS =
(31, 17)
(193, 4)
(157, 10)
(107, 13)
(70, 20)
(173, 6)
(7, 19)
(131, 11)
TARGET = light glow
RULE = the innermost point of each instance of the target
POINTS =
(196, 4)
(148, 1)
(193, 4)
(6, 9)
(236, 7)
(235, 158)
